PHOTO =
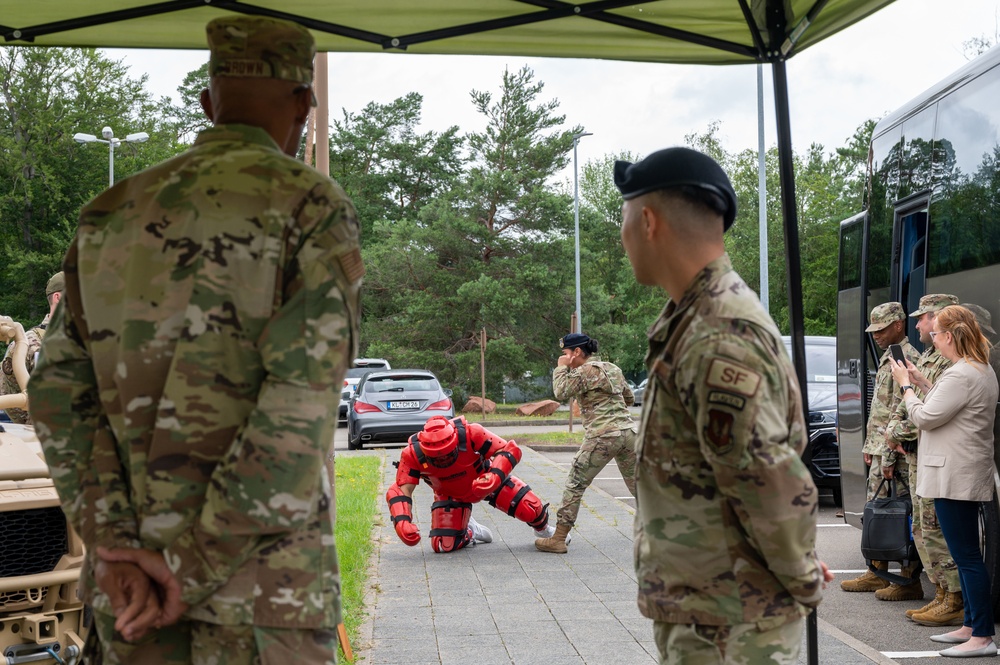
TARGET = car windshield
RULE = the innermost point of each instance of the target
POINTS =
(357, 372)
(381, 384)
(821, 362)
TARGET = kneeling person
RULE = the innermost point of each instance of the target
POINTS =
(463, 463)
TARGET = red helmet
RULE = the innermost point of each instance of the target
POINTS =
(438, 437)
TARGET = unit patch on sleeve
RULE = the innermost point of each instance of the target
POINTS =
(733, 378)
(719, 431)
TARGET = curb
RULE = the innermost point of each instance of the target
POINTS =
(519, 422)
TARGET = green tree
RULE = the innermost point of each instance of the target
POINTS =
(390, 170)
(492, 252)
(47, 95)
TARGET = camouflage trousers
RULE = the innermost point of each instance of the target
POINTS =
(929, 539)
(594, 455)
(900, 472)
(742, 644)
(200, 643)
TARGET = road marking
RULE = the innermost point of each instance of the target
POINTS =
(625, 498)
(835, 525)
(911, 654)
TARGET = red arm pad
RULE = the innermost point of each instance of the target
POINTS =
(401, 510)
(504, 457)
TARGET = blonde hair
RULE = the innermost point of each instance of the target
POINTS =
(970, 343)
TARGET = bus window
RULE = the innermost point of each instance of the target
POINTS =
(883, 185)
(912, 229)
(915, 171)
(965, 211)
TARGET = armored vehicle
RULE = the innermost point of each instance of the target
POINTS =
(41, 614)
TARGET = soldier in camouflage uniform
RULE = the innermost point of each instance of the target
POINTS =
(725, 528)
(187, 394)
(888, 326)
(8, 382)
(609, 429)
(946, 608)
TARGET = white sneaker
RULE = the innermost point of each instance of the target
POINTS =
(550, 531)
(480, 534)
(547, 532)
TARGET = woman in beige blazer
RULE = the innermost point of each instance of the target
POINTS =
(956, 462)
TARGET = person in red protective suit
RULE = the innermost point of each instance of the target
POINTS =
(464, 463)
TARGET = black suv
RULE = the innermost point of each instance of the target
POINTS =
(823, 454)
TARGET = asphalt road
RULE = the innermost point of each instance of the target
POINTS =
(876, 628)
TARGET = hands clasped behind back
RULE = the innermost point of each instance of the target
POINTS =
(143, 590)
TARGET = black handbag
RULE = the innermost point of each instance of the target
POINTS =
(887, 534)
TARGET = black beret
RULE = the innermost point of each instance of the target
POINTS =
(573, 340)
(674, 167)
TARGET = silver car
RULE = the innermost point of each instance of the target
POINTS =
(361, 367)
(390, 405)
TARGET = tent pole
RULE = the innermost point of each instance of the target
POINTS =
(794, 277)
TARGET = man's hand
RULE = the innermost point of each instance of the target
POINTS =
(827, 575)
(868, 459)
(133, 599)
(153, 564)
(485, 485)
(887, 471)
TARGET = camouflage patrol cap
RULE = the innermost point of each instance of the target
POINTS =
(983, 317)
(932, 302)
(56, 284)
(884, 315)
(260, 47)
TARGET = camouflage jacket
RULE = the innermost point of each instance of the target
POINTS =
(603, 393)
(8, 382)
(885, 398)
(725, 527)
(186, 396)
(930, 363)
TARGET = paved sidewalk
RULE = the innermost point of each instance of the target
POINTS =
(504, 602)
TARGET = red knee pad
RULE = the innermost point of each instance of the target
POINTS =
(517, 500)
(450, 525)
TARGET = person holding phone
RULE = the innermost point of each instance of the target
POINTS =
(888, 328)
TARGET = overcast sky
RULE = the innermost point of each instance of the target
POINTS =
(863, 72)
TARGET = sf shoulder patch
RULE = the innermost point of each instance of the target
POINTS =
(727, 375)
(719, 431)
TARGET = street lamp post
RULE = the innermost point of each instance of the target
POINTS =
(576, 226)
(109, 138)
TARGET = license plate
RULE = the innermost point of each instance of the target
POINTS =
(403, 405)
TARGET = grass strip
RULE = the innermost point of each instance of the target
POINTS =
(550, 438)
(357, 490)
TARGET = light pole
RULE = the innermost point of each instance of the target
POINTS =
(576, 225)
(109, 138)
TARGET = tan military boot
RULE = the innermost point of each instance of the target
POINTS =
(951, 612)
(895, 591)
(937, 600)
(557, 543)
(869, 581)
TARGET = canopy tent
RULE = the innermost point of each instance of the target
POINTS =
(668, 31)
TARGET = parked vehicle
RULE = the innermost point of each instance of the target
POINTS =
(639, 392)
(823, 455)
(930, 227)
(41, 613)
(390, 405)
(361, 367)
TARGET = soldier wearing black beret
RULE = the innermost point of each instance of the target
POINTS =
(725, 510)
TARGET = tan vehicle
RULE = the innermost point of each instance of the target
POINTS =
(41, 614)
